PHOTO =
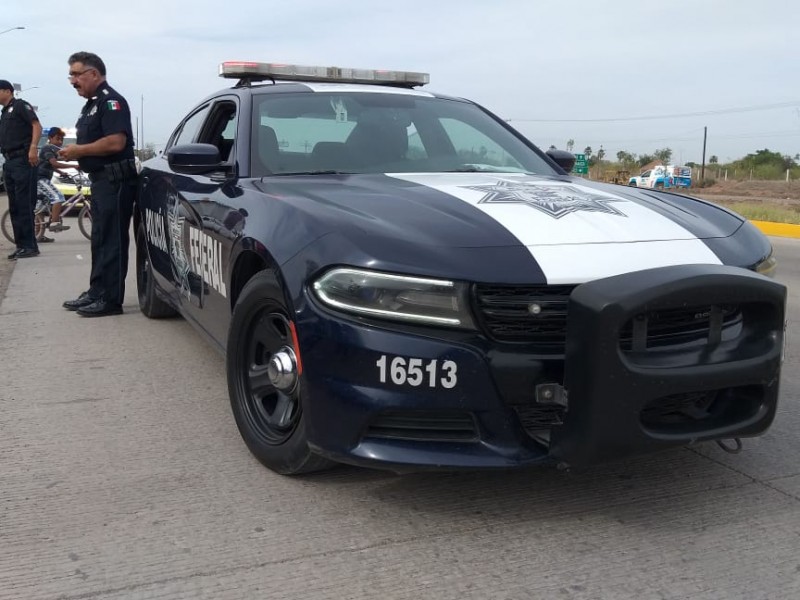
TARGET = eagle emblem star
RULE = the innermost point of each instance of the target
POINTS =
(553, 200)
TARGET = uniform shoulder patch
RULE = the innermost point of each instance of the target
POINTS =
(113, 105)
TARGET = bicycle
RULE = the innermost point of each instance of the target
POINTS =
(41, 214)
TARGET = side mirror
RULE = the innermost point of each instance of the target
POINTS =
(194, 159)
(564, 159)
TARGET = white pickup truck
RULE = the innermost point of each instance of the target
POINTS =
(664, 177)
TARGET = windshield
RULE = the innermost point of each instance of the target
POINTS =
(357, 132)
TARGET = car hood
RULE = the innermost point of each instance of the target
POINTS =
(559, 220)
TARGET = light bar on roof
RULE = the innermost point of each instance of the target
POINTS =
(259, 70)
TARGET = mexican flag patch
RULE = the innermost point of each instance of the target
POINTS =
(113, 105)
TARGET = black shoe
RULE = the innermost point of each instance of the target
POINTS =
(46, 239)
(13, 255)
(83, 300)
(100, 308)
(27, 253)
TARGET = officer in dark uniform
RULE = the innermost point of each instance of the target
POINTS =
(20, 131)
(104, 150)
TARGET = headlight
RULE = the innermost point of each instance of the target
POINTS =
(767, 266)
(395, 297)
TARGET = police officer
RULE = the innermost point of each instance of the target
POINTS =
(20, 131)
(104, 150)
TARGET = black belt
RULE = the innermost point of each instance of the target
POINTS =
(15, 153)
(97, 175)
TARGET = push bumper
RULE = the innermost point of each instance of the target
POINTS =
(626, 397)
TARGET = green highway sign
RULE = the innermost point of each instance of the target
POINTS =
(581, 165)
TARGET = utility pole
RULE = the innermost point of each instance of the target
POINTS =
(703, 167)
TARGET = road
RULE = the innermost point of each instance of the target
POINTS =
(122, 475)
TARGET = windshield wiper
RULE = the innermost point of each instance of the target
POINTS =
(465, 169)
(321, 172)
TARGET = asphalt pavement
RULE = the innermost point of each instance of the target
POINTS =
(122, 475)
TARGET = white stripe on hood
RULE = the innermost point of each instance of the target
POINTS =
(575, 233)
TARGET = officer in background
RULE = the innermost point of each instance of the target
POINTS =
(104, 150)
(20, 131)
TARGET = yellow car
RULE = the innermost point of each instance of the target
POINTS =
(71, 184)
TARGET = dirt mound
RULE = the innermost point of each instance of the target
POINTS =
(779, 192)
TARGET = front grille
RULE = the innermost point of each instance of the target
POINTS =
(424, 426)
(678, 409)
(508, 313)
(681, 325)
(535, 417)
(537, 314)
(706, 411)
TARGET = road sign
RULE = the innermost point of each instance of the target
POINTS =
(581, 165)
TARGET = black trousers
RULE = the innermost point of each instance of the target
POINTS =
(20, 178)
(112, 207)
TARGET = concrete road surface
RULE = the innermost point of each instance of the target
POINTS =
(122, 475)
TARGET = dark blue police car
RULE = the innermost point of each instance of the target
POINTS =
(399, 279)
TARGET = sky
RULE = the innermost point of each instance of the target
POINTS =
(617, 74)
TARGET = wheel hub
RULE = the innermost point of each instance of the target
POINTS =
(282, 370)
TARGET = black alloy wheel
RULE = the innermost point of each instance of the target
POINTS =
(272, 398)
(264, 382)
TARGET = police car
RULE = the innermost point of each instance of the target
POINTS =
(399, 279)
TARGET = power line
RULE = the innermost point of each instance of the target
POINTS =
(702, 113)
(694, 138)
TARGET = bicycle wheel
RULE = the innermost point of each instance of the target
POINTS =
(85, 221)
(40, 220)
(39, 225)
(5, 224)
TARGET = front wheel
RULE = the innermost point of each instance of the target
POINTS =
(39, 225)
(264, 379)
(85, 220)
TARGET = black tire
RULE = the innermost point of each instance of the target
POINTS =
(632, 184)
(149, 303)
(85, 221)
(660, 185)
(39, 226)
(268, 413)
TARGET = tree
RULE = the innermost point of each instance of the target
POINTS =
(764, 164)
(149, 151)
(625, 157)
(645, 158)
(713, 160)
(570, 144)
(664, 155)
(588, 151)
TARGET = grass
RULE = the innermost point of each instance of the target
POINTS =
(756, 211)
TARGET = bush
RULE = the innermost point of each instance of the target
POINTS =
(704, 183)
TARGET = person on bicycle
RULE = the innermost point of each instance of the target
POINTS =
(49, 164)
